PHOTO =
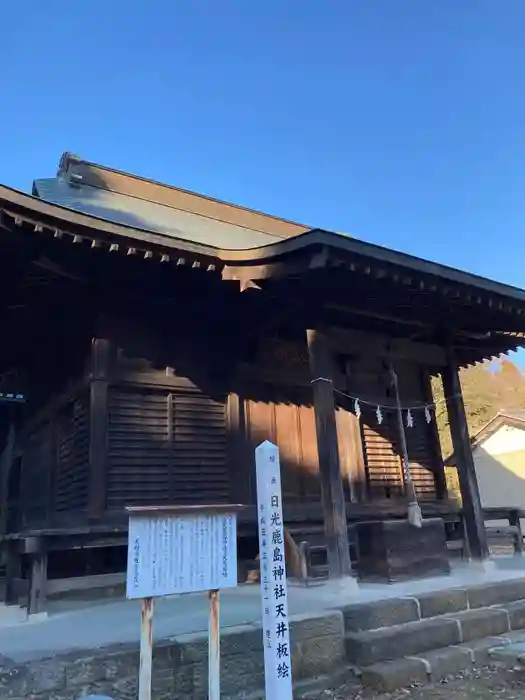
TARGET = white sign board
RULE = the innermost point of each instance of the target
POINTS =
(181, 553)
(274, 589)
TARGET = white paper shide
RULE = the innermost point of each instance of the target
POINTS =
(274, 590)
(169, 554)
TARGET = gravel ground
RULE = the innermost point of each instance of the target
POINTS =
(489, 683)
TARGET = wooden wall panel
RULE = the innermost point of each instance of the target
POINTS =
(283, 418)
(72, 458)
(138, 449)
(351, 458)
(288, 438)
(309, 453)
(37, 464)
(165, 448)
(199, 452)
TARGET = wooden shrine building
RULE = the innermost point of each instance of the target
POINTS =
(158, 336)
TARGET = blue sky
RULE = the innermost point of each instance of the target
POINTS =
(401, 122)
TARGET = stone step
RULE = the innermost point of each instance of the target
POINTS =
(516, 614)
(390, 643)
(380, 613)
(369, 647)
(433, 665)
(496, 593)
(397, 611)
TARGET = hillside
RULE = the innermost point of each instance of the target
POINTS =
(487, 388)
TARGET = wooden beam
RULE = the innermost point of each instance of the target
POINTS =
(299, 265)
(332, 493)
(85, 583)
(353, 341)
(102, 356)
(472, 510)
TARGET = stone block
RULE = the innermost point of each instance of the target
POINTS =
(476, 624)
(304, 627)
(513, 653)
(241, 664)
(240, 685)
(442, 602)
(183, 680)
(373, 646)
(297, 660)
(162, 682)
(391, 675)
(180, 665)
(121, 663)
(193, 647)
(241, 640)
(444, 662)
(381, 613)
(516, 614)
(31, 679)
(479, 649)
(497, 593)
(234, 640)
(85, 672)
(321, 655)
(126, 688)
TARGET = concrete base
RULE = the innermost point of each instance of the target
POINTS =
(37, 617)
(74, 625)
(485, 566)
(345, 587)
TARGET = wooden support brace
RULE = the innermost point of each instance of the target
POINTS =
(472, 509)
(515, 521)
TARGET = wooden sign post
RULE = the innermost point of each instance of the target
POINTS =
(175, 550)
(274, 589)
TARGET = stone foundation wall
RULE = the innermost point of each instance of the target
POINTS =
(180, 665)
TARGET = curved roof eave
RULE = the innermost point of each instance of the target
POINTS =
(314, 237)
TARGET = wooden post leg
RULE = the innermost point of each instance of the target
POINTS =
(38, 584)
(13, 574)
(332, 493)
(468, 482)
(515, 521)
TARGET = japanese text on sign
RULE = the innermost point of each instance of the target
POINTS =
(274, 590)
(169, 554)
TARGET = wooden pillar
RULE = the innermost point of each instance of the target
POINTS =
(13, 573)
(101, 357)
(332, 493)
(468, 483)
(38, 584)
